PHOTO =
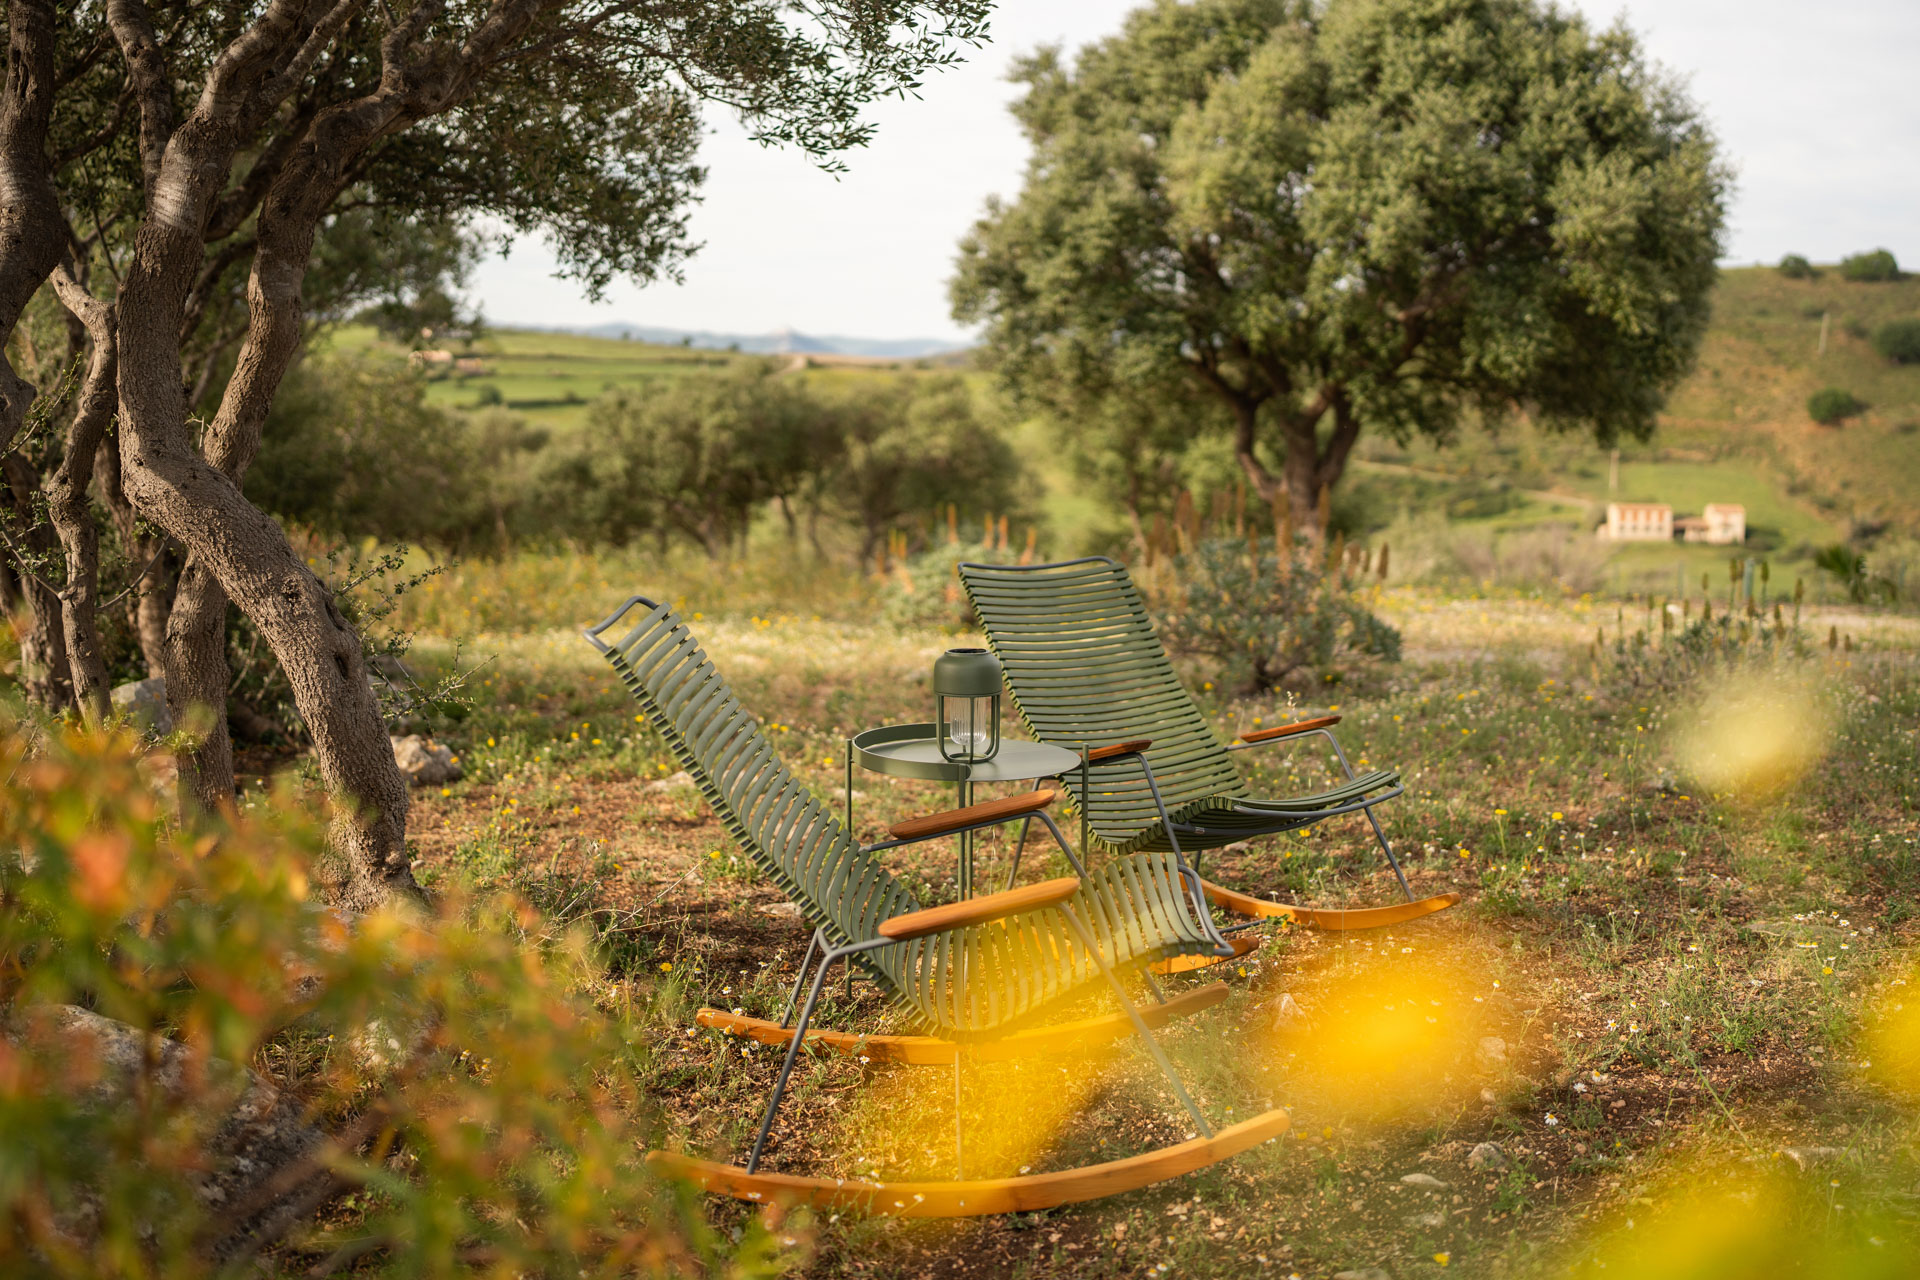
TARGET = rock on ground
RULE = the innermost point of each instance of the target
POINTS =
(1487, 1156)
(1807, 1157)
(257, 1172)
(425, 762)
(144, 703)
(1286, 1011)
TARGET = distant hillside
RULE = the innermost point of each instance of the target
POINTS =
(781, 342)
(1736, 430)
(1762, 359)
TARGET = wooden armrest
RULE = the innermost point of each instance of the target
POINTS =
(1288, 730)
(994, 906)
(1126, 748)
(935, 824)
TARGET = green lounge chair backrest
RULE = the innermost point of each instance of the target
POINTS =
(1011, 968)
(1085, 666)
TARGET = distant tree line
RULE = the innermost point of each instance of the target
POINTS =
(1877, 266)
(353, 450)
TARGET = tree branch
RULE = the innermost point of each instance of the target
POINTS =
(84, 63)
(98, 138)
(1332, 462)
(289, 77)
(66, 491)
(132, 28)
(233, 208)
(135, 581)
(31, 226)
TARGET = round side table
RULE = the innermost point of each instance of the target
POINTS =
(913, 751)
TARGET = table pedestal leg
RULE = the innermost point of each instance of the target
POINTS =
(966, 846)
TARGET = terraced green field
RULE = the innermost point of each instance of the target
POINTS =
(552, 377)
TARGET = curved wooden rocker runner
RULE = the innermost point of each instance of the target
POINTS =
(978, 976)
(982, 1195)
(1328, 917)
(1087, 672)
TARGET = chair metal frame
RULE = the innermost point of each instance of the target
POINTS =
(1267, 819)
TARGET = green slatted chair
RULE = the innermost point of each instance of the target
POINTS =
(1087, 671)
(978, 977)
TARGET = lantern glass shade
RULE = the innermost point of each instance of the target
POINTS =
(972, 727)
(966, 694)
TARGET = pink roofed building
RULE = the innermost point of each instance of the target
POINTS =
(1638, 522)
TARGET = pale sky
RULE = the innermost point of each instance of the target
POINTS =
(1814, 105)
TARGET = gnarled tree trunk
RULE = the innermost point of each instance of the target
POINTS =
(233, 548)
(152, 562)
(31, 241)
(44, 671)
(67, 505)
(31, 228)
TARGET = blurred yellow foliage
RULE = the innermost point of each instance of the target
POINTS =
(1012, 1114)
(1396, 1034)
(1754, 735)
(447, 1061)
(1728, 1220)
(1890, 1037)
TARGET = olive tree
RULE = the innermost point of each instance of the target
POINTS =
(1359, 214)
(162, 160)
(695, 457)
(907, 447)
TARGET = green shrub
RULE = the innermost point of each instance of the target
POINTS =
(1862, 584)
(1266, 616)
(696, 457)
(1899, 341)
(923, 590)
(1795, 267)
(462, 1102)
(1482, 499)
(1870, 268)
(907, 447)
(353, 450)
(1831, 405)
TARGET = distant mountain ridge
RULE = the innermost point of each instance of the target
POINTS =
(780, 342)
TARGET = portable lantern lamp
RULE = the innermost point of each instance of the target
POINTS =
(966, 704)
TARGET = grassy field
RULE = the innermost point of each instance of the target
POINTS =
(550, 378)
(1657, 999)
